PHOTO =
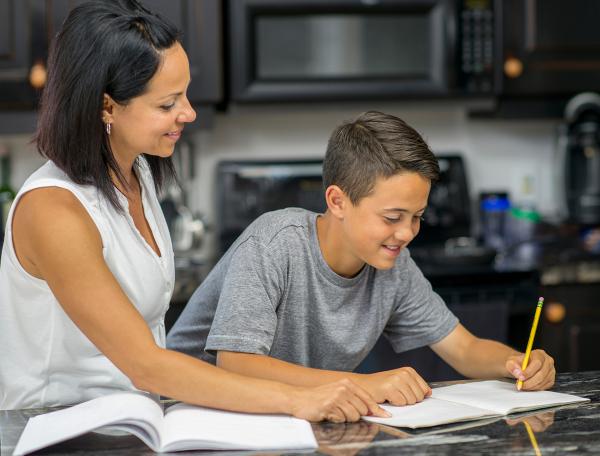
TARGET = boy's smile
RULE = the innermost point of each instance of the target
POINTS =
(377, 229)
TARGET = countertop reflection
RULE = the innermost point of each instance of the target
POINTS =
(568, 429)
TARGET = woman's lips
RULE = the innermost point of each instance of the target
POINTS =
(174, 135)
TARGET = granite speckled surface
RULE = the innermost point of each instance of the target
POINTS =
(572, 429)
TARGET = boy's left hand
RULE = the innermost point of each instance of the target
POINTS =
(539, 374)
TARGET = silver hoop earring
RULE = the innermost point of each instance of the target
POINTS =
(108, 128)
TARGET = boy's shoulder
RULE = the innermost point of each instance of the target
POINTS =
(282, 225)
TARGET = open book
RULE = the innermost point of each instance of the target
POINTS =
(471, 401)
(181, 427)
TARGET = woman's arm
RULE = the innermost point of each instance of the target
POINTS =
(56, 240)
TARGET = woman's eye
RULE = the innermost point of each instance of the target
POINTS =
(419, 218)
(391, 219)
(167, 107)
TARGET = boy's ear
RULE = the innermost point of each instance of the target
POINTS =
(108, 105)
(337, 201)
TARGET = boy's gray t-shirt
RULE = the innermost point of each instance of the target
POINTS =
(272, 293)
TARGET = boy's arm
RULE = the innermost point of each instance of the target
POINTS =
(398, 386)
(482, 358)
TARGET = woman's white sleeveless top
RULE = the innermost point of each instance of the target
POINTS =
(45, 360)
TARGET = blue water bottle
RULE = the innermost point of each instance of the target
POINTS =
(494, 211)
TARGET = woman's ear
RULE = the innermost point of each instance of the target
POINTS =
(336, 200)
(108, 105)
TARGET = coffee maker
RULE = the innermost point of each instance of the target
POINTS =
(579, 148)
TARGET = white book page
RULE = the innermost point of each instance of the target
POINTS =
(191, 427)
(127, 408)
(502, 397)
(429, 412)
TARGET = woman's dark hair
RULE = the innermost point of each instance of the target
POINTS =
(108, 46)
(372, 146)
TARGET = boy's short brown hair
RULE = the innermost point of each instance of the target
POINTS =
(375, 145)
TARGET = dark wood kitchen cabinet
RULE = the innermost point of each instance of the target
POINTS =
(201, 25)
(27, 28)
(549, 47)
(570, 327)
(23, 49)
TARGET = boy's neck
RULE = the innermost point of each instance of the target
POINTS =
(334, 248)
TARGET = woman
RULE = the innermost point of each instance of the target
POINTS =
(87, 265)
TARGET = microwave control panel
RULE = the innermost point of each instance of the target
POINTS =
(476, 48)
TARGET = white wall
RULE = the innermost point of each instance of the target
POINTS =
(499, 154)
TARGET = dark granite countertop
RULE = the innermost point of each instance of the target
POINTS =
(571, 429)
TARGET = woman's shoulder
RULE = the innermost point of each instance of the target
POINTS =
(48, 203)
(49, 177)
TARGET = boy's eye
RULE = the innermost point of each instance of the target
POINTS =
(415, 218)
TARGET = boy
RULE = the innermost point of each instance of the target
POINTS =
(302, 298)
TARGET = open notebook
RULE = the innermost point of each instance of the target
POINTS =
(471, 401)
(181, 427)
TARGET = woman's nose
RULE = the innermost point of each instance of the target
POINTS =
(188, 114)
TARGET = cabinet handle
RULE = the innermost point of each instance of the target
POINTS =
(513, 67)
(38, 75)
(555, 312)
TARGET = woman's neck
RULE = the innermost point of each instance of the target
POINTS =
(127, 183)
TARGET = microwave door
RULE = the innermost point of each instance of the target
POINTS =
(291, 50)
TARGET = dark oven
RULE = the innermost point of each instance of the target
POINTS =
(334, 49)
(249, 188)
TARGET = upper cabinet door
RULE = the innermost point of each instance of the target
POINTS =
(28, 26)
(550, 47)
(200, 23)
(23, 43)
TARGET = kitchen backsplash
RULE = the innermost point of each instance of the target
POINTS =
(516, 155)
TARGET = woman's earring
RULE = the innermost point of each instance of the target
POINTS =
(108, 128)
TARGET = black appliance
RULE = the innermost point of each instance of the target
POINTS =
(445, 237)
(448, 212)
(344, 49)
(579, 146)
(249, 188)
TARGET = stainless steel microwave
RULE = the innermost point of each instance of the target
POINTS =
(285, 50)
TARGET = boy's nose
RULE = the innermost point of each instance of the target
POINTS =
(404, 234)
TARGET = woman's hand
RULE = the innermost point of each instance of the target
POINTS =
(345, 439)
(340, 401)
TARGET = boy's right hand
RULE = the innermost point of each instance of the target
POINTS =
(337, 402)
(401, 386)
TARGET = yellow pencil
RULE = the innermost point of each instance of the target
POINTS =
(534, 443)
(536, 318)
